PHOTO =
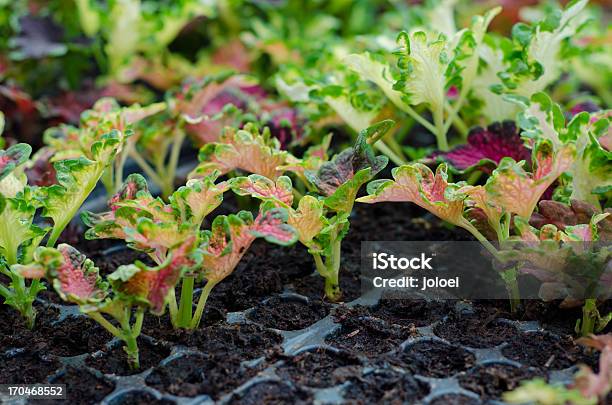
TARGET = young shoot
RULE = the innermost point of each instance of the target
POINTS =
(76, 280)
(322, 221)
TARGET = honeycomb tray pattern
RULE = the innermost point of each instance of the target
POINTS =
(295, 342)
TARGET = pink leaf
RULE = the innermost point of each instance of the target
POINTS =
(514, 190)
(488, 145)
(152, 285)
(416, 183)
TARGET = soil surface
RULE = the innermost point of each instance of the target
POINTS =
(272, 392)
(71, 336)
(113, 361)
(385, 386)
(431, 358)
(546, 351)
(286, 313)
(26, 367)
(319, 368)
(139, 397)
(199, 374)
(411, 313)
(454, 399)
(492, 380)
(90, 390)
(479, 330)
(366, 336)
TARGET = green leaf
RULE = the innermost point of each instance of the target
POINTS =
(76, 180)
(423, 64)
(13, 157)
(16, 225)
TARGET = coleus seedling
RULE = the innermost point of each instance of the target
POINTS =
(209, 105)
(77, 280)
(570, 263)
(430, 64)
(588, 388)
(200, 110)
(510, 190)
(17, 230)
(591, 172)
(245, 149)
(150, 225)
(68, 142)
(159, 229)
(322, 221)
(19, 237)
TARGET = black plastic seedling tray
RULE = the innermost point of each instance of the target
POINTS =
(270, 385)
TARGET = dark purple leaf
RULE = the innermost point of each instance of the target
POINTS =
(486, 147)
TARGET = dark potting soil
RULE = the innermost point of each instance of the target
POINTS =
(13, 332)
(385, 387)
(479, 330)
(432, 358)
(191, 375)
(254, 279)
(160, 327)
(312, 286)
(247, 341)
(366, 336)
(546, 351)
(550, 315)
(287, 313)
(407, 312)
(139, 397)
(91, 389)
(272, 392)
(454, 399)
(113, 361)
(318, 368)
(26, 367)
(492, 380)
(398, 222)
(72, 336)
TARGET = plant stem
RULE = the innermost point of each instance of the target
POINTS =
(137, 328)
(107, 181)
(332, 287)
(179, 137)
(411, 112)
(195, 322)
(142, 163)
(438, 115)
(589, 315)
(173, 307)
(509, 277)
(119, 165)
(321, 269)
(185, 306)
(381, 146)
(484, 241)
(112, 329)
(131, 348)
(474, 177)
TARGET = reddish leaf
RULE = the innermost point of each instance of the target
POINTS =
(486, 147)
(152, 285)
